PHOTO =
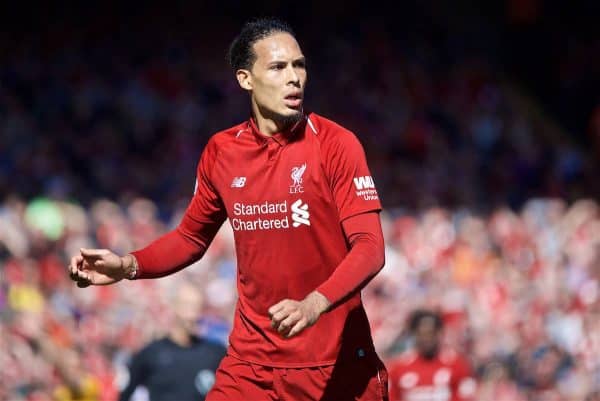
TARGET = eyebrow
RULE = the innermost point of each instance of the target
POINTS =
(299, 59)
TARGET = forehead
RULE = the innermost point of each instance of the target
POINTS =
(278, 46)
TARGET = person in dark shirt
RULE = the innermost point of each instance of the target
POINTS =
(182, 365)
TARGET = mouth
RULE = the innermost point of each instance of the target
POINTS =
(293, 100)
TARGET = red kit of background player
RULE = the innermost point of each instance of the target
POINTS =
(430, 372)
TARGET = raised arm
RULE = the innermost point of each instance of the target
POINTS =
(169, 253)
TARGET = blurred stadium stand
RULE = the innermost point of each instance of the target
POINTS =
(481, 123)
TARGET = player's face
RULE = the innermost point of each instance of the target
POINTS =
(427, 338)
(278, 77)
(188, 308)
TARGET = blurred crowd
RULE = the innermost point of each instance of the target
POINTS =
(86, 114)
(55, 333)
(491, 208)
(519, 293)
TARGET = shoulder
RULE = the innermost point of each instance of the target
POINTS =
(328, 130)
(222, 139)
(148, 351)
(155, 345)
(217, 142)
(447, 356)
(451, 357)
(209, 352)
(406, 358)
(335, 140)
(228, 135)
(213, 344)
(209, 345)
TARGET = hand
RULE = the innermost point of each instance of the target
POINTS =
(97, 267)
(290, 317)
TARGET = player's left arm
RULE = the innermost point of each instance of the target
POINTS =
(361, 264)
(358, 206)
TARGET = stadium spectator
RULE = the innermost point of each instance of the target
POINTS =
(511, 304)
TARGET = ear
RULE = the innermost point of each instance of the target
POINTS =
(244, 78)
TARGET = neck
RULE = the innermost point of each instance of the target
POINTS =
(269, 124)
(180, 336)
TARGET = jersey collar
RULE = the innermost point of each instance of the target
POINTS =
(283, 137)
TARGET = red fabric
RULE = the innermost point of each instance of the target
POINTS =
(168, 254)
(364, 380)
(289, 199)
(363, 261)
(447, 377)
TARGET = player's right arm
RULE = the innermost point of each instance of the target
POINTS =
(169, 253)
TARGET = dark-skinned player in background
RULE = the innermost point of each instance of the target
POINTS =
(429, 371)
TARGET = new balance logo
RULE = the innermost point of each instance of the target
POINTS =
(300, 213)
(238, 182)
(364, 182)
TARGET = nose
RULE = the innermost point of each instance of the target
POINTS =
(293, 77)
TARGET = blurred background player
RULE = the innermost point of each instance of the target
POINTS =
(180, 366)
(428, 371)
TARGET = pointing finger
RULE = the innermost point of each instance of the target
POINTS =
(75, 262)
(74, 272)
(93, 253)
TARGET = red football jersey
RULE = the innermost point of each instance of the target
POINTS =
(286, 196)
(447, 377)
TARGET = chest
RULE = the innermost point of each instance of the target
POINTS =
(433, 377)
(270, 178)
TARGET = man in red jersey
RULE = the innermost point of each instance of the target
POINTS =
(428, 372)
(305, 216)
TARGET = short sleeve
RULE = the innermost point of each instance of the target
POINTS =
(351, 182)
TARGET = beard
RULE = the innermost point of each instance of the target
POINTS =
(429, 353)
(288, 121)
(283, 121)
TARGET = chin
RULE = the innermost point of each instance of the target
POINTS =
(290, 118)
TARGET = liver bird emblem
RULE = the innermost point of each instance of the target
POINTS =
(297, 174)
